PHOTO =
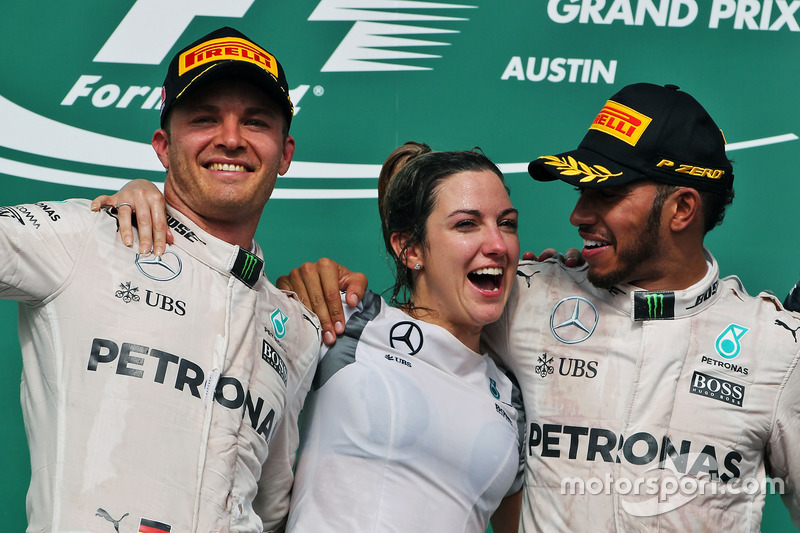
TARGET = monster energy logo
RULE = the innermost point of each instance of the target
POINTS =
(653, 305)
(247, 267)
(249, 264)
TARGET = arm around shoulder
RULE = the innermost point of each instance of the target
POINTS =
(318, 286)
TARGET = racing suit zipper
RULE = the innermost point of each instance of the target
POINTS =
(219, 358)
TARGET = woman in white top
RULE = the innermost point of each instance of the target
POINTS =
(409, 427)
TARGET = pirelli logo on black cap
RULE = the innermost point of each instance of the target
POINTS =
(227, 48)
(247, 268)
(622, 122)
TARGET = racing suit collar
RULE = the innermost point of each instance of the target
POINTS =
(644, 305)
(228, 259)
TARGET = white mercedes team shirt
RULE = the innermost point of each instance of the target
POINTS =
(158, 394)
(405, 430)
(651, 410)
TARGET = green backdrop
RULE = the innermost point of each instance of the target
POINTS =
(79, 102)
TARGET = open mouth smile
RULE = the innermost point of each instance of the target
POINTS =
(487, 279)
(592, 245)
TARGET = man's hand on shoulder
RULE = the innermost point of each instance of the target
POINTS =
(318, 285)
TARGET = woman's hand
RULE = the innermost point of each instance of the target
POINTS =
(145, 200)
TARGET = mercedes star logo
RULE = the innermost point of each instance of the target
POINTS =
(407, 334)
(163, 268)
(573, 319)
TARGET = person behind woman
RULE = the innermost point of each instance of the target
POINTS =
(409, 427)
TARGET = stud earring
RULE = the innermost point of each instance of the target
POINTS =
(417, 266)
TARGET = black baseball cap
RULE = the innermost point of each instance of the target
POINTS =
(645, 131)
(224, 53)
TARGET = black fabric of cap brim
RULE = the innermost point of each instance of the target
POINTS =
(582, 168)
(244, 71)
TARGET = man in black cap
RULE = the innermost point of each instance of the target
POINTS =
(629, 153)
(658, 396)
(673, 393)
(161, 392)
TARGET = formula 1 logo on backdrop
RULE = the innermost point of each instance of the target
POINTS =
(381, 38)
(171, 26)
(376, 36)
(368, 46)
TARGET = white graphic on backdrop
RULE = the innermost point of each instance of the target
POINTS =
(371, 43)
(752, 15)
(35, 131)
(40, 135)
(163, 23)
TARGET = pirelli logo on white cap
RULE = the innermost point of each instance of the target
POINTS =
(227, 48)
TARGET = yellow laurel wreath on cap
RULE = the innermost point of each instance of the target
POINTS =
(569, 166)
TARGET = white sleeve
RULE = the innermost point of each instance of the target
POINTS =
(272, 498)
(39, 244)
(783, 448)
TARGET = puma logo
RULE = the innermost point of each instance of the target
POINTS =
(103, 513)
(527, 277)
(794, 331)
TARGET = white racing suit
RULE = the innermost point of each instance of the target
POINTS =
(652, 411)
(158, 395)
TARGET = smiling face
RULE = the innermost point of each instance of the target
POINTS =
(224, 151)
(622, 229)
(470, 257)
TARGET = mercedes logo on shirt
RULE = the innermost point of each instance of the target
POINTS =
(164, 268)
(573, 320)
(406, 336)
